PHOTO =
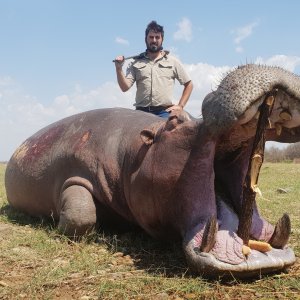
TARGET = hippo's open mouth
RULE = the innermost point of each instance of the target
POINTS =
(238, 241)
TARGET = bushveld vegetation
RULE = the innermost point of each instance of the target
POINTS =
(38, 263)
(290, 153)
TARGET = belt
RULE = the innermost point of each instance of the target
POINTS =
(151, 108)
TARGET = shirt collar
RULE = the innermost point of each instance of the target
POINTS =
(164, 53)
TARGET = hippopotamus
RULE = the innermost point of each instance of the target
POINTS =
(184, 179)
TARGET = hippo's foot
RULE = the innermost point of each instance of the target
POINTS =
(77, 212)
(214, 248)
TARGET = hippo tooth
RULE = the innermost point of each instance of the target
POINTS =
(270, 123)
(285, 115)
(259, 246)
(257, 190)
(251, 178)
(255, 167)
(281, 233)
(270, 100)
(209, 235)
(278, 128)
(246, 250)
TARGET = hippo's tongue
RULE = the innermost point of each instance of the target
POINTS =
(228, 248)
(220, 238)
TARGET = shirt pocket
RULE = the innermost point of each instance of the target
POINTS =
(141, 71)
(166, 69)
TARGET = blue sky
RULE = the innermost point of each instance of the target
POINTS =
(56, 56)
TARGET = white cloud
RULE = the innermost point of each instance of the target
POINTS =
(184, 31)
(22, 115)
(205, 79)
(62, 100)
(122, 41)
(5, 81)
(242, 33)
(239, 49)
(287, 62)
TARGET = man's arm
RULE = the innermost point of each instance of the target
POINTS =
(187, 90)
(123, 82)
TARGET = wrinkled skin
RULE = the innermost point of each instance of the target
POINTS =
(177, 179)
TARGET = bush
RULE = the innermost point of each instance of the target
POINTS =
(290, 153)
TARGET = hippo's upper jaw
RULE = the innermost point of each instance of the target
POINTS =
(251, 105)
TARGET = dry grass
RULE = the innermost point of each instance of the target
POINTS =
(37, 263)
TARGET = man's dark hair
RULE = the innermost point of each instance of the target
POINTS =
(153, 26)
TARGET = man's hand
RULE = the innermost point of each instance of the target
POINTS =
(177, 108)
(119, 61)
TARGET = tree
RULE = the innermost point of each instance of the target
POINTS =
(292, 151)
(274, 154)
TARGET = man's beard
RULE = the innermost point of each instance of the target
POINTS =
(154, 48)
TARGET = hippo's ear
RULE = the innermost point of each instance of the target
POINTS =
(147, 136)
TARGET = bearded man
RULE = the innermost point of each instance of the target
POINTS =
(154, 72)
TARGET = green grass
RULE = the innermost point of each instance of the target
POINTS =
(38, 263)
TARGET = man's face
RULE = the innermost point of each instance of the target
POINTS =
(154, 41)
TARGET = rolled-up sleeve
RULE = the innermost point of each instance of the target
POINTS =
(130, 74)
(182, 76)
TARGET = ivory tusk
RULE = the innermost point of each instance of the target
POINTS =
(257, 161)
(259, 246)
(270, 123)
(246, 250)
(257, 190)
(270, 100)
(209, 235)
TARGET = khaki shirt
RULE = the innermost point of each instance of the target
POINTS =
(155, 79)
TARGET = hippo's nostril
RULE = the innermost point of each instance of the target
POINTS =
(282, 232)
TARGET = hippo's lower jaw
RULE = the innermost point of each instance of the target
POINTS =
(255, 264)
(224, 257)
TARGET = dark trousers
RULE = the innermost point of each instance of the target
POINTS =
(155, 110)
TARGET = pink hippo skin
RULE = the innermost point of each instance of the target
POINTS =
(178, 179)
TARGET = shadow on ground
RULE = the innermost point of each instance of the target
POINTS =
(153, 256)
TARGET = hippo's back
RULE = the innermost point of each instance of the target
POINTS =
(72, 147)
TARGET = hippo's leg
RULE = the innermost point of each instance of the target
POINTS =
(78, 211)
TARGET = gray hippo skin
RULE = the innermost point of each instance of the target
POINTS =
(177, 179)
